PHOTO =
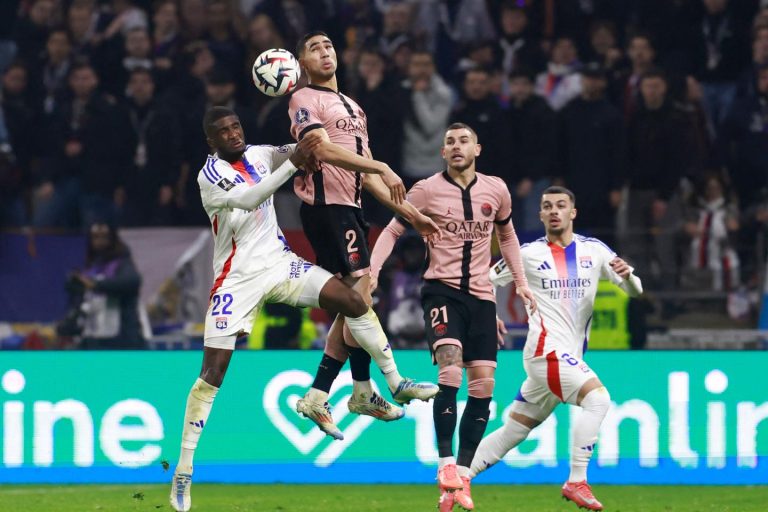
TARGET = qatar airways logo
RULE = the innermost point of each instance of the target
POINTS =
(352, 125)
(470, 229)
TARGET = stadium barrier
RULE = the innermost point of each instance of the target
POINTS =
(678, 417)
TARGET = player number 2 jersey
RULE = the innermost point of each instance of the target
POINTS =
(245, 242)
(564, 283)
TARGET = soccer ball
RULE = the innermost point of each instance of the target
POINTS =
(276, 72)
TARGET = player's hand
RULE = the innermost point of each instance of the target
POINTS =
(621, 267)
(395, 185)
(501, 330)
(427, 228)
(528, 299)
(305, 147)
(373, 283)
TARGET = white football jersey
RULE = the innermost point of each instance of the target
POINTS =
(564, 283)
(245, 242)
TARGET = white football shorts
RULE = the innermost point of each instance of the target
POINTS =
(552, 379)
(233, 308)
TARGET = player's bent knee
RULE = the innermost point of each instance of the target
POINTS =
(598, 400)
(481, 388)
(450, 376)
(353, 305)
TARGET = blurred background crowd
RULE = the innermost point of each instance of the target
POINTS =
(654, 112)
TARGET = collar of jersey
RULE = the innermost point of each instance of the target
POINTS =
(450, 180)
(321, 88)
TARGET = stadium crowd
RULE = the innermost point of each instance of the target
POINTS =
(654, 112)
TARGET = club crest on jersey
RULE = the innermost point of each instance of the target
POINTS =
(260, 168)
(441, 329)
(301, 116)
(354, 259)
(225, 184)
(486, 209)
(221, 322)
(585, 261)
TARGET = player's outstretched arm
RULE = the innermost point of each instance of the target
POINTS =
(226, 195)
(425, 226)
(383, 248)
(327, 151)
(510, 251)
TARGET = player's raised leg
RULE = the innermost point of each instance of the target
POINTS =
(365, 400)
(199, 402)
(366, 329)
(524, 416)
(315, 405)
(595, 401)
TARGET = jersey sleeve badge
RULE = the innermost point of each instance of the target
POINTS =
(225, 184)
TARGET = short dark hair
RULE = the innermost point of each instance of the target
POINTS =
(462, 126)
(556, 189)
(655, 72)
(212, 115)
(306, 37)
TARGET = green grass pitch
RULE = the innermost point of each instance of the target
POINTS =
(381, 498)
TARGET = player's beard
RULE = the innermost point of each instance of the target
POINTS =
(463, 166)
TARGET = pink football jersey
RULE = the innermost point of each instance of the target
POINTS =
(466, 217)
(320, 107)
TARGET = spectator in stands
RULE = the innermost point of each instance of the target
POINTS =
(81, 24)
(718, 53)
(532, 147)
(404, 315)
(603, 45)
(747, 83)
(156, 146)
(591, 147)
(378, 93)
(744, 139)
(445, 26)
(109, 284)
(166, 34)
(225, 35)
(194, 20)
(712, 224)
(662, 150)
(88, 143)
(22, 121)
(561, 82)
(395, 29)
(8, 48)
(479, 109)
(50, 72)
(517, 47)
(625, 89)
(31, 32)
(137, 54)
(427, 104)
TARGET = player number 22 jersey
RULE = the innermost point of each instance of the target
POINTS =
(245, 242)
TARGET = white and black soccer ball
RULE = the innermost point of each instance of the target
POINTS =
(276, 72)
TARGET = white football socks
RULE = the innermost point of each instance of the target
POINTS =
(368, 333)
(496, 445)
(594, 408)
(199, 403)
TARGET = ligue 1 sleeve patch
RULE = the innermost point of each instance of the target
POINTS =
(301, 116)
(225, 184)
